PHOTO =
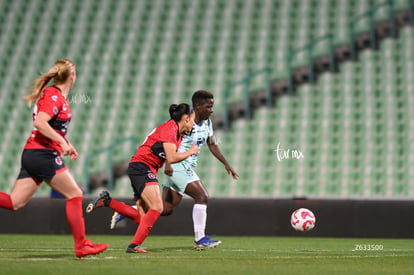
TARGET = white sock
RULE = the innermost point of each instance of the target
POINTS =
(199, 220)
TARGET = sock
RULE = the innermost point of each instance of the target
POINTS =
(74, 215)
(125, 210)
(145, 226)
(199, 220)
(5, 201)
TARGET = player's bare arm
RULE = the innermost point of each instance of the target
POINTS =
(41, 123)
(215, 150)
(172, 156)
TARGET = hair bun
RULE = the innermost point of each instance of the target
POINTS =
(173, 108)
(177, 111)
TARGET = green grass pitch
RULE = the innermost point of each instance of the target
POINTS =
(44, 254)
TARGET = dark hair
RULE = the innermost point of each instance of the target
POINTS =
(200, 96)
(177, 111)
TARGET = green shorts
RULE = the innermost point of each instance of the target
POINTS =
(183, 174)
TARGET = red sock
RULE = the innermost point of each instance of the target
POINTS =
(145, 226)
(5, 201)
(125, 210)
(74, 215)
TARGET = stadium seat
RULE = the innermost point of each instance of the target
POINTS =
(136, 58)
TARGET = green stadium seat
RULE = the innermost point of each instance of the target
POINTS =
(133, 66)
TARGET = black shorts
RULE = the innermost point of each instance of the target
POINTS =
(140, 175)
(40, 165)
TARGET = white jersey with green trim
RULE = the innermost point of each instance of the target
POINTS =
(199, 135)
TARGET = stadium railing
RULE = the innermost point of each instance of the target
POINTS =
(371, 14)
(309, 48)
(246, 84)
(110, 152)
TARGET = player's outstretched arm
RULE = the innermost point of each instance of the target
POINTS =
(215, 150)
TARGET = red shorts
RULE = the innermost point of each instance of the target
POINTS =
(40, 165)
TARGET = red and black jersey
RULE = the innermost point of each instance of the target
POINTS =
(52, 102)
(151, 152)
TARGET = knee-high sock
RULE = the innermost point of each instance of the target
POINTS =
(5, 201)
(125, 210)
(74, 214)
(145, 226)
(199, 220)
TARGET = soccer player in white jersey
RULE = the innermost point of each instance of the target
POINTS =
(183, 179)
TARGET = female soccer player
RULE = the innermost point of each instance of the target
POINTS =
(41, 159)
(159, 146)
(183, 179)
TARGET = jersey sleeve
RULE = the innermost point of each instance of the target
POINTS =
(210, 128)
(168, 133)
(49, 103)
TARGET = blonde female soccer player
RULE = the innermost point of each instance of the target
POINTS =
(41, 159)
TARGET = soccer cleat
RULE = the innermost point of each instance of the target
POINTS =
(89, 248)
(102, 200)
(132, 248)
(116, 218)
(205, 243)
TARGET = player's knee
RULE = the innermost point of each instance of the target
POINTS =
(18, 205)
(167, 211)
(202, 199)
(158, 207)
(74, 194)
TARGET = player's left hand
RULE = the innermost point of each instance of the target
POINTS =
(168, 170)
(72, 152)
(231, 171)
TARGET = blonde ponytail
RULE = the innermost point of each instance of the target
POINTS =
(60, 72)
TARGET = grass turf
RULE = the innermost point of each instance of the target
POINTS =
(43, 254)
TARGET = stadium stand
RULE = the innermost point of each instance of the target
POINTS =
(134, 58)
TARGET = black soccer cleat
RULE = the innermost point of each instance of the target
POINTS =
(133, 248)
(102, 200)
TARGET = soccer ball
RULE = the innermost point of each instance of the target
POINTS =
(302, 220)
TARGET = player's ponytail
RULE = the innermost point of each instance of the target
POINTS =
(60, 72)
(177, 111)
